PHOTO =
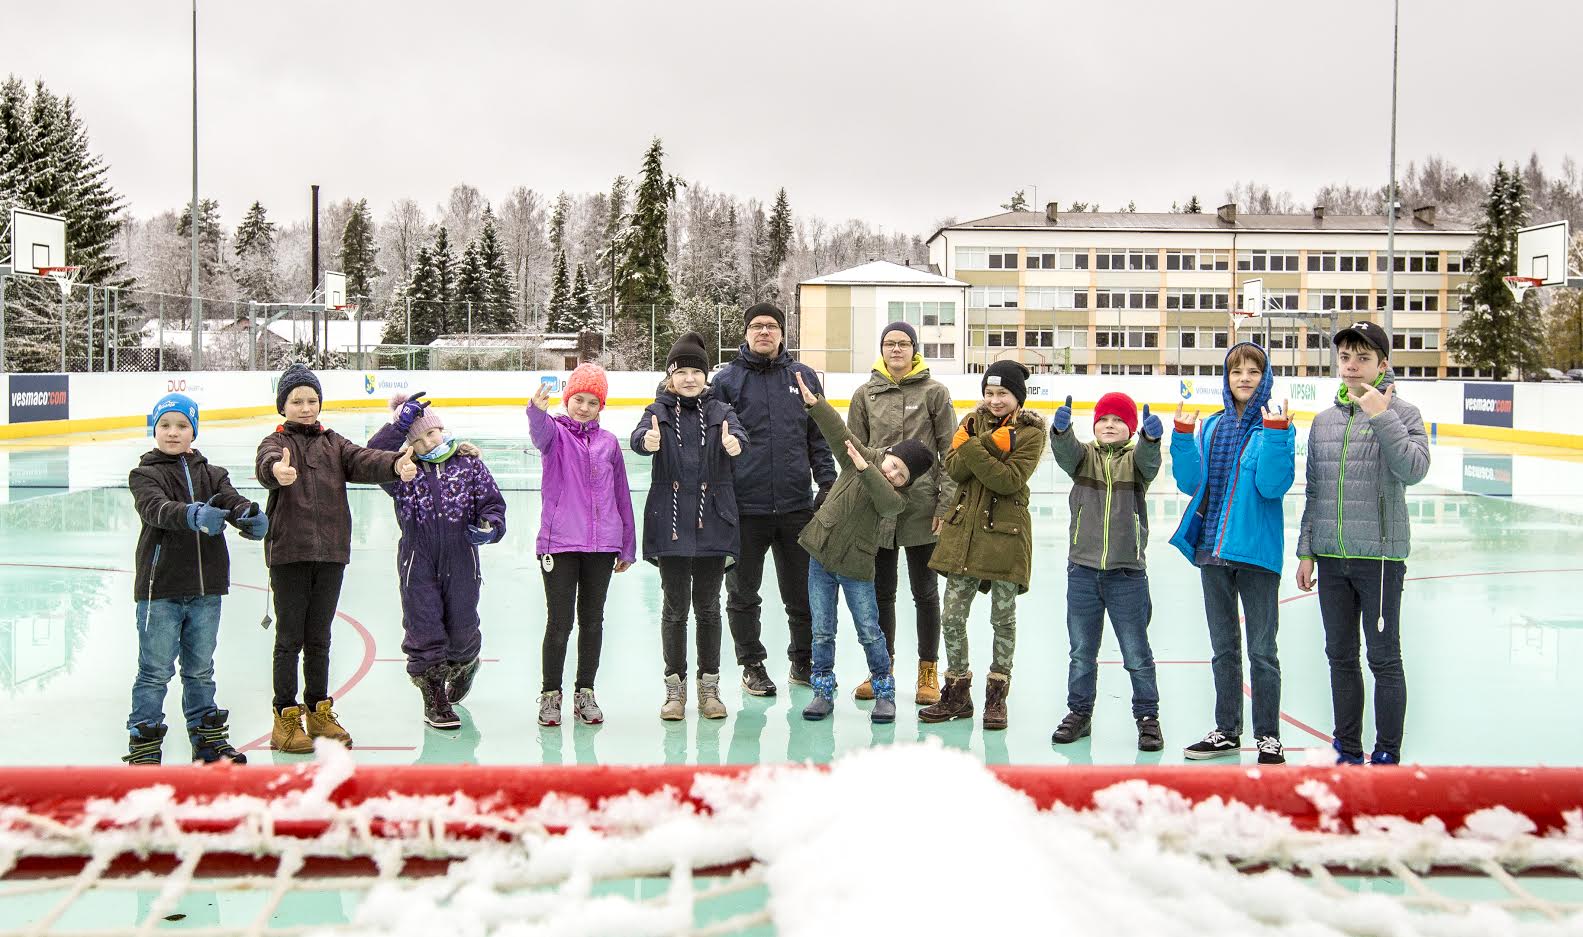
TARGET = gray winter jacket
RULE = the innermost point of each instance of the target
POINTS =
(1358, 472)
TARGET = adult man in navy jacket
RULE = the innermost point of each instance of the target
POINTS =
(785, 450)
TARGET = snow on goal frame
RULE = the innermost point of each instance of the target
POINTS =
(1174, 848)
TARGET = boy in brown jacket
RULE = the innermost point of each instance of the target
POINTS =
(305, 468)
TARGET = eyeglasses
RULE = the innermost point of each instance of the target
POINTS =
(764, 327)
(897, 345)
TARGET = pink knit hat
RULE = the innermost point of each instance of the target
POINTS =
(589, 378)
(427, 420)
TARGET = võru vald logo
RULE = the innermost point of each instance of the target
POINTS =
(369, 384)
(1187, 390)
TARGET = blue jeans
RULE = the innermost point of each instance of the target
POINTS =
(1360, 602)
(1124, 593)
(864, 606)
(168, 631)
(1258, 589)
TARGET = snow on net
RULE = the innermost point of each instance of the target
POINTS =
(886, 840)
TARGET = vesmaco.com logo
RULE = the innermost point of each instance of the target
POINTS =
(35, 397)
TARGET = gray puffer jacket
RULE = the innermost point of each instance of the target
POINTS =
(1359, 468)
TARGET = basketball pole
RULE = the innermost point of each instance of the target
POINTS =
(192, 227)
(1390, 210)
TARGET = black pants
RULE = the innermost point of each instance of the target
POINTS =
(1352, 600)
(575, 582)
(760, 534)
(691, 581)
(925, 597)
(305, 598)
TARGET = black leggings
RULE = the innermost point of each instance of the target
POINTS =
(575, 582)
(925, 597)
(305, 598)
(695, 581)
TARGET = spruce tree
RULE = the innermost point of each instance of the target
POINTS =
(424, 292)
(645, 279)
(359, 253)
(445, 278)
(609, 257)
(469, 290)
(780, 234)
(560, 297)
(210, 236)
(558, 218)
(497, 292)
(1497, 333)
(1193, 207)
(581, 305)
(255, 256)
(1017, 202)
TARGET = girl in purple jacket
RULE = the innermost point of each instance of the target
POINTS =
(586, 533)
(446, 512)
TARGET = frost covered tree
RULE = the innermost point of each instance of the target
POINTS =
(580, 315)
(1193, 207)
(469, 290)
(427, 299)
(254, 246)
(359, 253)
(779, 236)
(1017, 202)
(211, 239)
(560, 319)
(1496, 332)
(446, 274)
(645, 278)
(608, 261)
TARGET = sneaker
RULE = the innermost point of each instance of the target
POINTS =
(143, 744)
(800, 674)
(675, 706)
(709, 705)
(1150, 737)
(1075, 726)
(1342, 758)
(1216, 744)
(550, 708)
(1270, 751)
(586, 708)
(1384, 758)
(209, 741)
(756, 681)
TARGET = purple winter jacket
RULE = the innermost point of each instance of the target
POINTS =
(587, 506)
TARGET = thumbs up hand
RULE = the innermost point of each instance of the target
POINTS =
(651, 437)
(206, 518)
(284, 473)
(731, 444)
(406, 469)
(1062, 420)
(1152, 427)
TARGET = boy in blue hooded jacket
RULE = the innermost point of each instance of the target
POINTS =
(1238, 468)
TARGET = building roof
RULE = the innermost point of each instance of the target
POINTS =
(883, 273)
(1206, 221)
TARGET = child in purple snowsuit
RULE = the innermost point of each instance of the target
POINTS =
(446, 513)
(586, 533)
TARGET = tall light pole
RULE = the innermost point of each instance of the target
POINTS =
(192, 226)
(1390, 208)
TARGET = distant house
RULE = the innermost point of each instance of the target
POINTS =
(841, 315)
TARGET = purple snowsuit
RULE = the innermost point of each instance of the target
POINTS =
(587, 504)
(438, 567)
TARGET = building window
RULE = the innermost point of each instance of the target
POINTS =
(1002, 260)
(1274, 301)
(1417, 262)
(1127, 299)
(1338, 262)
(1071, 336)
(1339, 300)
(1117, 259)
(1136, 370)
(992, 297)
(1265, 260)
(1204, 300)
(920, 313)
(1316, 340)
(972, 258)
(1410, 301)
(1001, 338)
(1197, 260)
(1073, 259)
(942, 350)
(1056, 297)
(1040, 338)
(1454, 262)
(1416, 340)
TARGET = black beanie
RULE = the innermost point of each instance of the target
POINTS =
(764, 309)
(915, 455)
(293, 377)
(1010, 375)
(688, 352)
(902, 327)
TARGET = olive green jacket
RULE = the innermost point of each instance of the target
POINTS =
(844, 535)
(882, 414)
(988, 532)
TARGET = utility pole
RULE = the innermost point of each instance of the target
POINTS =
(192, 227)
(313, 286)
(1390, 217)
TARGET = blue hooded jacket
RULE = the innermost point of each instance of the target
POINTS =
(1239, 517)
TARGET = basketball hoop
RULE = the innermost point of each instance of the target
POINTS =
(65, 276)
(1521, 285)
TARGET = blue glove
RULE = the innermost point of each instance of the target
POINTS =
(252, 522)
(480, 536)
(1152, 427)
(410, 411)
(206, 518)
(1063, 416)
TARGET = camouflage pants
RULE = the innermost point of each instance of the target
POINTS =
(959, 591)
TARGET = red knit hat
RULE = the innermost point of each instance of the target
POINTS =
(589, 378)
(1121, 407)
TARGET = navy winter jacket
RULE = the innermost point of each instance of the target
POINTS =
(691, 508)
(773, 472)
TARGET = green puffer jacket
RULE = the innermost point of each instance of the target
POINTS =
(988, 532)
(882, 414)
(843, 536)
(1110, 528)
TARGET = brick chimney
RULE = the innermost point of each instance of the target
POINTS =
(1052, 212)
(1425, 215)
(1227, 213)
(1319, 214)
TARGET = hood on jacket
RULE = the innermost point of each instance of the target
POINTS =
(759, 362)
(1387, 378)
(1261, 394)
(918, 367)
(156, 457)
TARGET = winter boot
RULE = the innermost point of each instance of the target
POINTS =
(550, 708)
(884, 701)
(460, 680)
(928, 683)
(756, 681)
(142, 747)
(996, 689)
(823, 702)
(437, 711)
(321, 721)
(1150, 736)
(209, 742)
(675, 698)
(1345, 758)
(288, 734)
(1075, 726)
(1384, 758)
(586, 708)
(956, 700)
(709, 705)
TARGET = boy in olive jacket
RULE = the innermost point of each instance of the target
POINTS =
(841, 541)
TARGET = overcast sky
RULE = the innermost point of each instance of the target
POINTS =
(895, 112)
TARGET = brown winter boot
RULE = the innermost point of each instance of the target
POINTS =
(956, 700)
(321, 721)
(865, 690)
(928, 683)
(995, 691)
(287, 736)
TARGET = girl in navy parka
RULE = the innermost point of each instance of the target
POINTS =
(446, 513)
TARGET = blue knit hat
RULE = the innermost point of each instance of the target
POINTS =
(293, 377)
(179, 403)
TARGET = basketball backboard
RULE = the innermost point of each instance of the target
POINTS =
(1542, 253)
(334, 290)
(37, 241)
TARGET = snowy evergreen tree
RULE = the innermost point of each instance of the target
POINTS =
(560, 319)
(211, 237)
(497, 289)
(359, 251)
(609, 259)
(779, 236)
(645, 279)
(426, 296)
(581, 315)
(1018, 202)
(1496, 332)
(558, 218)
(1564, 330)
(255, 256)
(1193, 207)
(446, 274)
(469, 290)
